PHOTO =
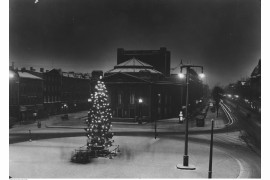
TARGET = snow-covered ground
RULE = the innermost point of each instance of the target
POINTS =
(140, 157)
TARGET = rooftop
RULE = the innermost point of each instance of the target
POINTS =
(27, 75)
(133, 66)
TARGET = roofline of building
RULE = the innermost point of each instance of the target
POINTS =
(127, 74)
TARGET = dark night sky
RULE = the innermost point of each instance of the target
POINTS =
(83, 35)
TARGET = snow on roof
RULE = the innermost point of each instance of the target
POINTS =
(133, 66)
(133, 70)
(65, 74)
(76, 75)
(27, 75)
(257, 70)
(134, 62)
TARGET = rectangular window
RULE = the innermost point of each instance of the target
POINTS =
(119, 98)
(132, 98)
(159, 111)
(114, 113)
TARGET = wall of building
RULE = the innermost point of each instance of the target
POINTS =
(159, 59)
(30, 98)
(13, 95)
(124, 100)
(52, 91)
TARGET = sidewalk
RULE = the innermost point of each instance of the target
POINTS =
(75, 123)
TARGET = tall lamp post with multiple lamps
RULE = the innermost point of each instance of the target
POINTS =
(186, 165)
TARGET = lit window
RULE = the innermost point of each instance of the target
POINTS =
(159, 98)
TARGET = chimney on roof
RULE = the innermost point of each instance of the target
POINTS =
(32, 69)
(23, 69)
(41, 70)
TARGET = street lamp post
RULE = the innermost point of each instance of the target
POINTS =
(186, 165)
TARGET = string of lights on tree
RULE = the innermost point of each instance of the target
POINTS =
(98, 121)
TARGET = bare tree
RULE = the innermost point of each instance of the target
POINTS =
(217, 94)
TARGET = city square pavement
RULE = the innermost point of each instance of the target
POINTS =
(54, 124)
(139, 157)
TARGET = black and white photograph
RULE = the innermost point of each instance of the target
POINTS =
(137, 89)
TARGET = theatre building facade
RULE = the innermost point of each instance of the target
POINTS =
(136, 89)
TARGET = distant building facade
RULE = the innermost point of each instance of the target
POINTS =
(52, 91)
(75, 90)
(248, 89)
(159, 59)
(14, 103)
(46, 93)
(26, 95)
(138, 89)
(65, 91)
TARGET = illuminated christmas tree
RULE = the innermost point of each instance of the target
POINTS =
(98, 122)
(99, 137)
